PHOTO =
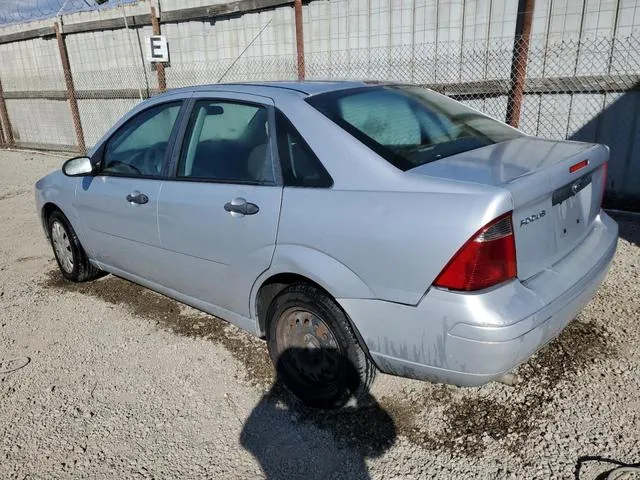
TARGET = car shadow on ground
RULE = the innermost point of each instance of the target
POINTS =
(290, 440)
(629, 224)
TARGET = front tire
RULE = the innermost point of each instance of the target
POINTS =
(71, 257)
(314, 349)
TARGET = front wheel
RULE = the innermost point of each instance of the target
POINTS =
(316, 353)
(71, 257)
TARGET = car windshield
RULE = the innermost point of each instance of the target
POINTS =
(410, 126)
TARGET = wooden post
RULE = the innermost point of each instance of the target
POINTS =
(519, 61)
(6, 135)
(71, 93)
(297, 5)
(162, 79)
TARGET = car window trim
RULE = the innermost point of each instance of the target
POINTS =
(176, 149)
(170, 142)
(181, 137)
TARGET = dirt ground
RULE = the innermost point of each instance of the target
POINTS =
(124, 383)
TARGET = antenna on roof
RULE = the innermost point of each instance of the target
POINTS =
(244, 50)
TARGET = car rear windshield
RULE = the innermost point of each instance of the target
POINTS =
(410, 126)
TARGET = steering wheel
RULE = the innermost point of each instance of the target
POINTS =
(150, 159)
(117, 163)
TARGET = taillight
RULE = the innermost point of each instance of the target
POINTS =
(605, 170)
(488, 258)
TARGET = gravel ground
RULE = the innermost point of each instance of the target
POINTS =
(125, 383)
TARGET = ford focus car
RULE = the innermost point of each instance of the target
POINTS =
(356, 227)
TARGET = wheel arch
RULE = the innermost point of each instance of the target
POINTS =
(298, 263)
(275, 284)
(271, 288)
(70, 213)
(45, 213)
(275, 280)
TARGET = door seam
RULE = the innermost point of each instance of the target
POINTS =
(158, 214)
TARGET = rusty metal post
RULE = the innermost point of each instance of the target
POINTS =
(519, 61)
(6, 134)
(162, 79)
(71, 92)
(297, 5)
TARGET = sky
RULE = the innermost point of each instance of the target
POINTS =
(19, 11)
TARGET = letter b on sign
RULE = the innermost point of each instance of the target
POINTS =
(157, 49)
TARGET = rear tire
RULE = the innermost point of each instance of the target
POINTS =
(71, 257)
(315, 351)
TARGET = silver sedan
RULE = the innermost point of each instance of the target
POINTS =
(356, 227)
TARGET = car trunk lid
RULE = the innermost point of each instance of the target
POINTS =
(556, 187)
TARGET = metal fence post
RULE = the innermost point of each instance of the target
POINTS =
(6, 135)
(71, 93)
(162, 79)
(297, 5)
(519, 61)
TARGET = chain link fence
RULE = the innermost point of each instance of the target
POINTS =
(567, 84)
(573, 88)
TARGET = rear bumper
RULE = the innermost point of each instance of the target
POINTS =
(469, 339)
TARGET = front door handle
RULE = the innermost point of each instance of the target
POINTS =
(241, 206)
(137, 197)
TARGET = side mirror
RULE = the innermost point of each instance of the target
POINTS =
(77, 167)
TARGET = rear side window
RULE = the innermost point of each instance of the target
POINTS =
(410, 126)
(300, 166)
(227, 142)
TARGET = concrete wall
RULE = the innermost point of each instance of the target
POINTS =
(39, 121)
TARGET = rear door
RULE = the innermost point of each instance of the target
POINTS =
(119, 204)
(218, 215)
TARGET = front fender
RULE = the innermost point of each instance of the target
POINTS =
(60, 190)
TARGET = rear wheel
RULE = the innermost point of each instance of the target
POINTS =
(71, 257)
(315, 351)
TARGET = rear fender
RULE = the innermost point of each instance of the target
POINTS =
(333, 276)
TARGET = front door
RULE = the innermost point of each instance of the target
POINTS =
(218, 216)
(120, 203)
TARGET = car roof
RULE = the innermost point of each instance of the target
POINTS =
(278, 88)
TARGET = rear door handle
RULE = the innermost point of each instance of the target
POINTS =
(137, 197)
(241, 206)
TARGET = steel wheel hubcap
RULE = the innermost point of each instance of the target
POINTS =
(62, 246)
(309, 346)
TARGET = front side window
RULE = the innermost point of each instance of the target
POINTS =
(227, 142)
(410, 126)
(139, 147)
